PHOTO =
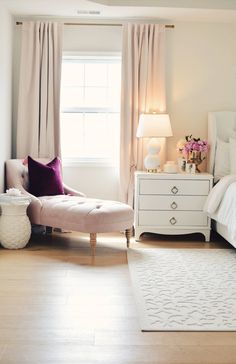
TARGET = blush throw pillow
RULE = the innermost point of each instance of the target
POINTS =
(45, 180)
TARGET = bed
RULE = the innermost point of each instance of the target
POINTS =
(221, 202)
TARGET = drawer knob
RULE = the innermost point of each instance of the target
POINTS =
(173, 221)
(174, 205)
(174, 190)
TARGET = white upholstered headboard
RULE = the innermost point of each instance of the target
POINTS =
(222, 125)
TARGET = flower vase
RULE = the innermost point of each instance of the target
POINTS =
(196, 158)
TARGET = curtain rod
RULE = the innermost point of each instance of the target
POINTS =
(101, 24)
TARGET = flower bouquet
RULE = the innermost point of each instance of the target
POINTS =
(194, 150)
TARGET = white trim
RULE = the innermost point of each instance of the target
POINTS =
(66, 55)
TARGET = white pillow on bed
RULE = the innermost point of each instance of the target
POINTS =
(232, 153)
(222, 159)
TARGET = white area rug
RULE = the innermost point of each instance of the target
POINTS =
(184, 289)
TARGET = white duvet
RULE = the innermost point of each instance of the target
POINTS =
(221, 203)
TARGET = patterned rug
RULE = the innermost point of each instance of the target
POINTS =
(184, 289)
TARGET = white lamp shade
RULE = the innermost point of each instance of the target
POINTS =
(154, 125)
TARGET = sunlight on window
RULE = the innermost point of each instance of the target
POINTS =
(90, 108)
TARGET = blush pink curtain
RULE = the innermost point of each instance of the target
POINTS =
(38, 122)
(143, 90)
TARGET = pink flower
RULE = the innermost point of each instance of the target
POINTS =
(195, 145)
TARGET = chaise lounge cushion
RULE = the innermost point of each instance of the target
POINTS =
(45, 179)
(85, 214)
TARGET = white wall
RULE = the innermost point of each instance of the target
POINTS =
(201, 77)
(5, 89)
(92, 38)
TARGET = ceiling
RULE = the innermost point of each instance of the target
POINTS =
(172, 10)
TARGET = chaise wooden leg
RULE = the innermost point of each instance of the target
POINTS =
(128, 236)
(93, 242)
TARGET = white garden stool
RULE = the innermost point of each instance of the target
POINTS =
(15, 227)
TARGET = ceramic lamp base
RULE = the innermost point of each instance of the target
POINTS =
(152, 160)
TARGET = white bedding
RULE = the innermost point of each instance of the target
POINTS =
(221, 203)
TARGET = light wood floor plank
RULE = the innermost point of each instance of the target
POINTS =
(71, 353)
(132, 338)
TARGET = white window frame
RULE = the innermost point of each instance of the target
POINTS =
(88, 162)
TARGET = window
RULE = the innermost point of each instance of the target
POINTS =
(90, 108)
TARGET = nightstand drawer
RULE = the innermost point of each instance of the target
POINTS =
(172, 203)
(174, 187)
(172, 218)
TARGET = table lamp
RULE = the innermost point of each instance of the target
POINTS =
(153, 126)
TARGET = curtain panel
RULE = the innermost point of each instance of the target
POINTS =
(38, 122)
(143, 91)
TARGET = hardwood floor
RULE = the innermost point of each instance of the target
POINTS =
(59, 307)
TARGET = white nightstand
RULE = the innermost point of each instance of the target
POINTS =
(171, 203)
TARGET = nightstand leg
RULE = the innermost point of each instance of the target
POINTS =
(207, 236)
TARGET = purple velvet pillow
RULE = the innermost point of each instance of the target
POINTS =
(45, 180)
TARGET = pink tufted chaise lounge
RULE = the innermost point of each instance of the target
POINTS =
(72, 211)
